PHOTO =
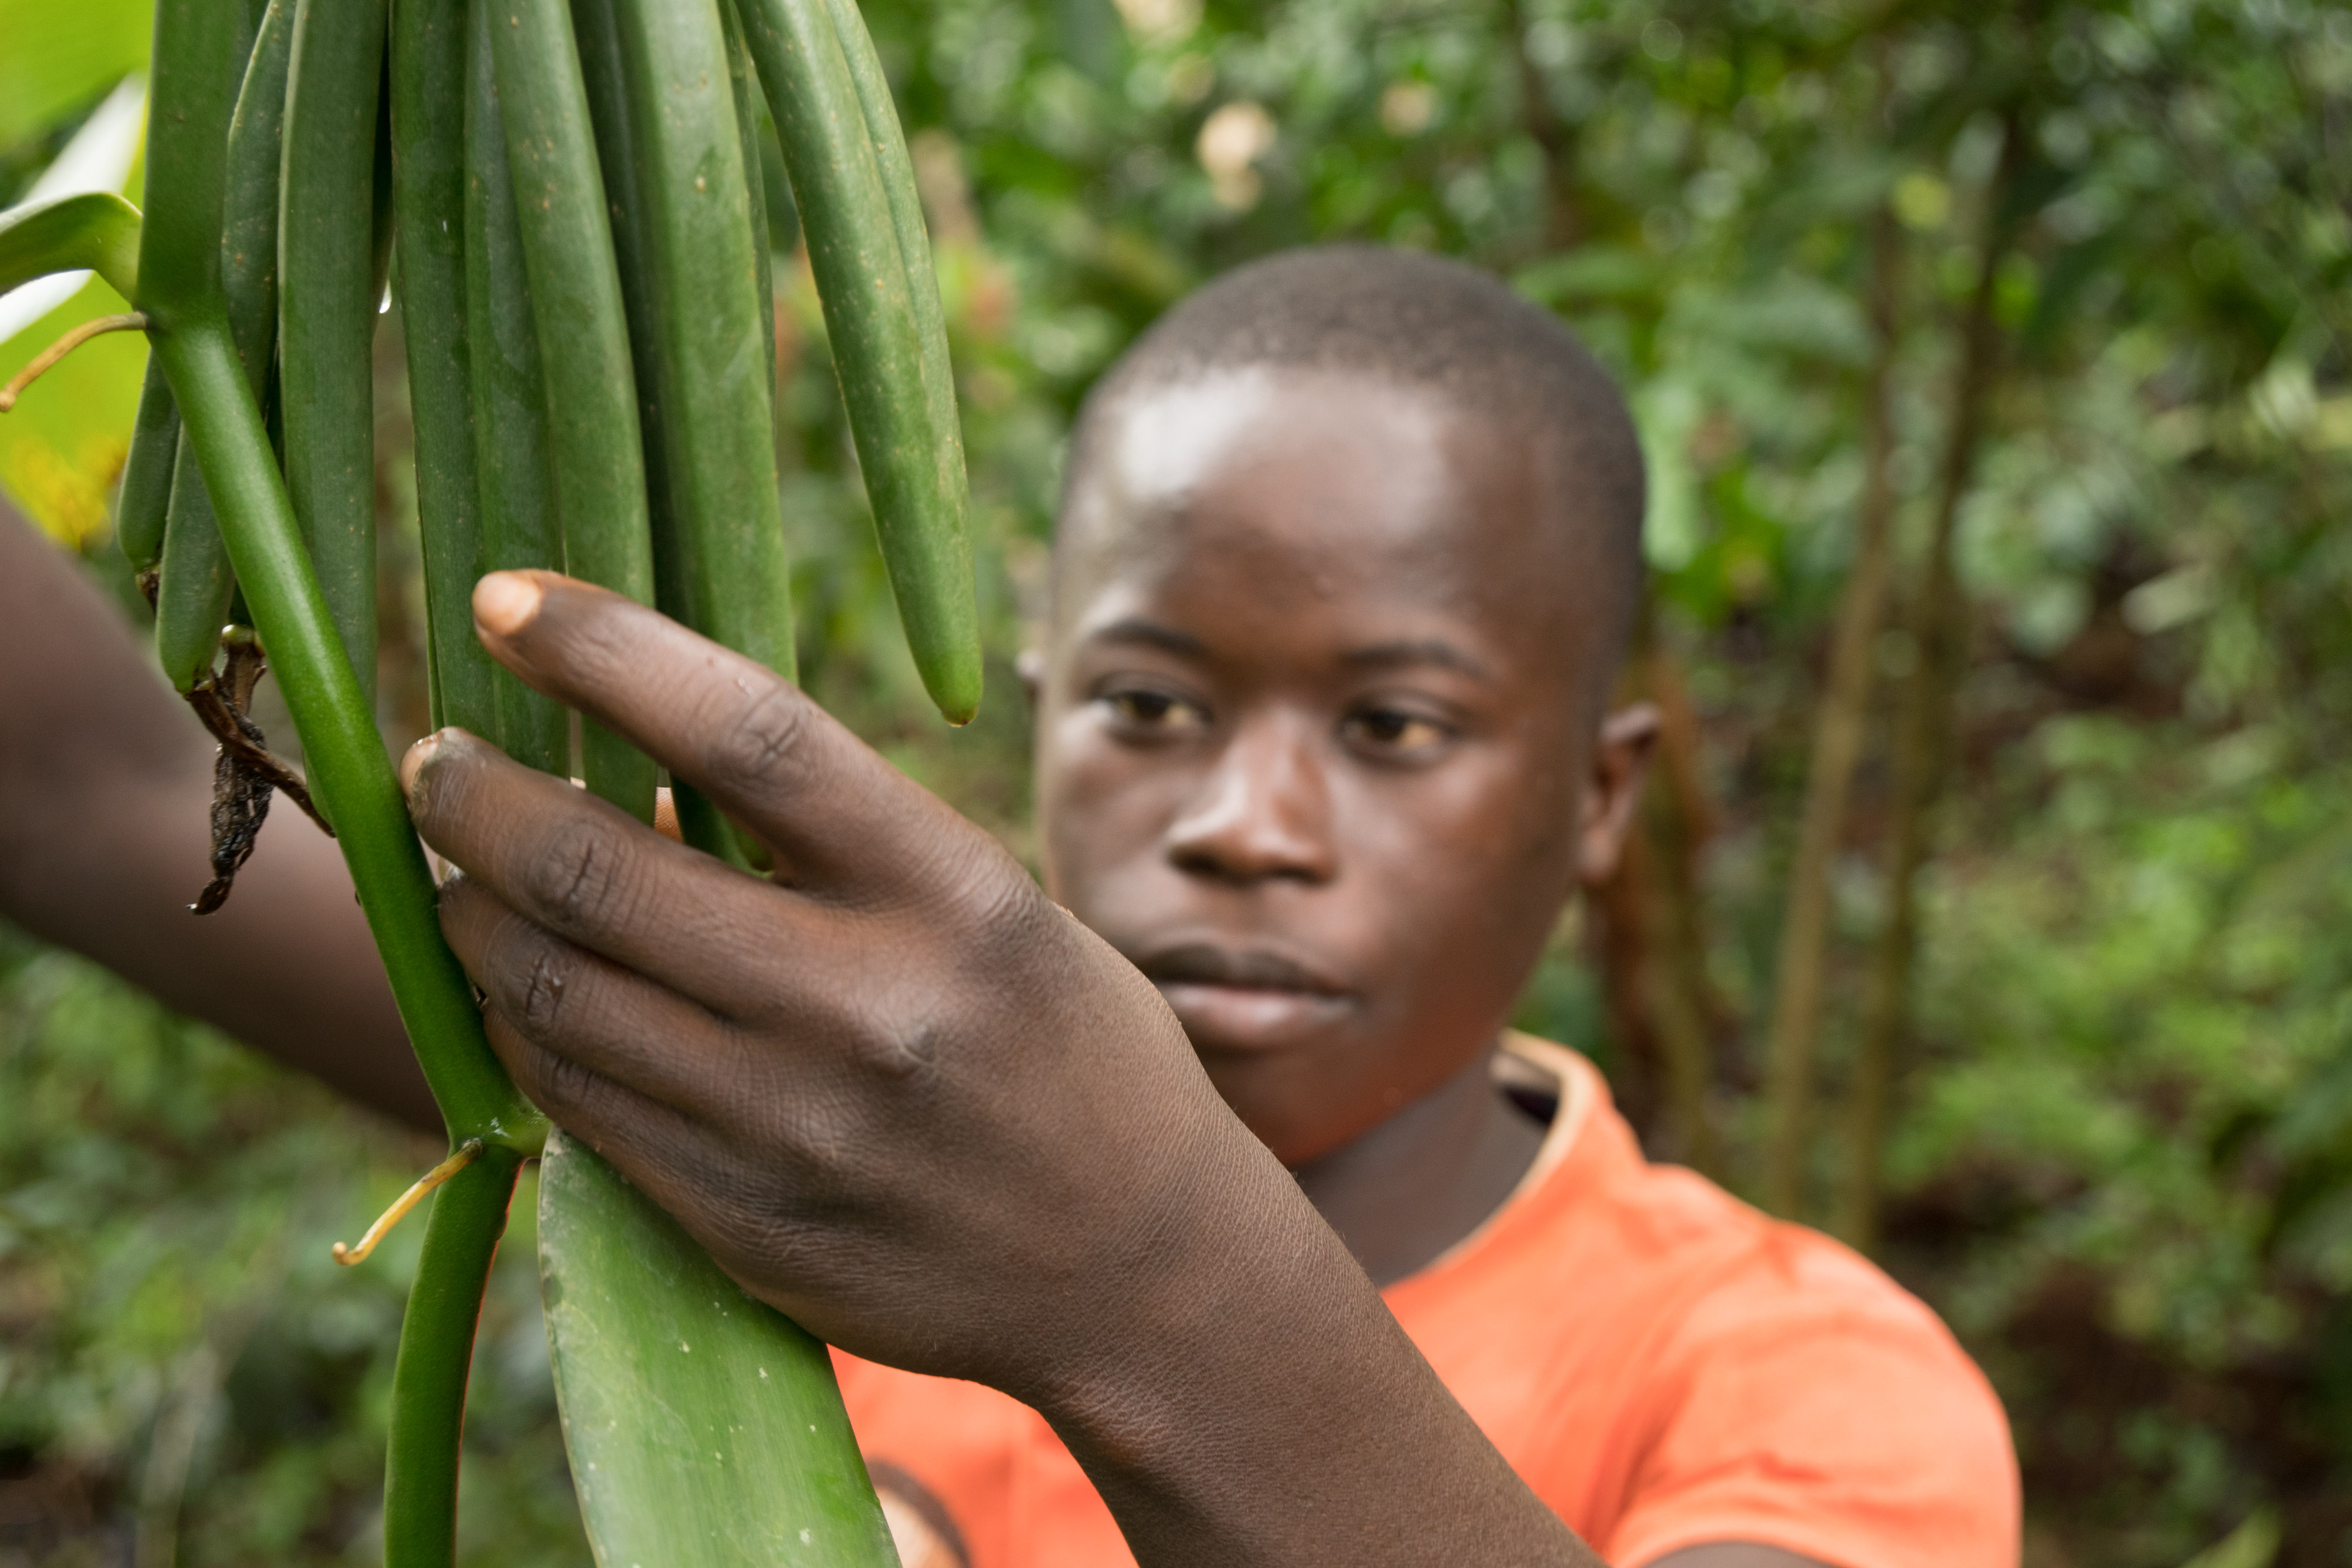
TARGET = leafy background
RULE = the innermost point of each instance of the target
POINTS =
(2117, 1158)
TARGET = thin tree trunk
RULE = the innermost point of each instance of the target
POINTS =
(1838, 734)
(1923, 737)
(1651, 937)
(1683, 1002)
(1563, 226)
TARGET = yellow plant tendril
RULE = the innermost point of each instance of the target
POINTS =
(97, 326)
(407, 1200)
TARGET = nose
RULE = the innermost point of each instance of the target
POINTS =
(1264, 811)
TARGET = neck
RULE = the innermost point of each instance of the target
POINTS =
(1427, 1178)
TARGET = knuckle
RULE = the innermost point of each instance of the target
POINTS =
(562, 1087)
(991, 896)
(546, 982)
(900, 1042)
(579, 881)
(760, 746)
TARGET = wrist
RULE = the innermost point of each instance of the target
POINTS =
(1242, 1326)
(1250, 1399)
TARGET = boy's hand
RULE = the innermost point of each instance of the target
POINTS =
(896, 1092)
(902, 1096)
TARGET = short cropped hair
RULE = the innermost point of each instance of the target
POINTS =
(1421, 321)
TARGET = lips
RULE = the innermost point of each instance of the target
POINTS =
(1244, 997)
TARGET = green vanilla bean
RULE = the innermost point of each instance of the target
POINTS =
(716, 422)
(139, 509)
(937, 602)
(749, 110)
(596, 31)
(327, 307)
(192, 95)
(705, 383)
(594, 445)
(436, 1350)
(250, 198)
(194, 583)
(517, 496)
(192, 91)
(195, 586)
(914, 470)
(428, 162)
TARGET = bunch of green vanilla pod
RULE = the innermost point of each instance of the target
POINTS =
(567, 195)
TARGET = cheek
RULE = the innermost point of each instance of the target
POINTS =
(1101, 805)
(1472, 862)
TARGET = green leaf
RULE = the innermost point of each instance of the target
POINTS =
(97, 231)
(59, 58)
(62, 447)
(706, 1429)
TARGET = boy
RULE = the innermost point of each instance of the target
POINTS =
(1348, 555)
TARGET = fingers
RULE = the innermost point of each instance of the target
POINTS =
(838, 817)
(593, 875)
(567, 1013)
(666, 1153)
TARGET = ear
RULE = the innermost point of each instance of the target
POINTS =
(1621, 767)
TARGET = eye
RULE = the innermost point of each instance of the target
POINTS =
(1395, 733)
(1149, 714)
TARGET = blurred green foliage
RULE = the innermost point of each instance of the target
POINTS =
(2122, 1159)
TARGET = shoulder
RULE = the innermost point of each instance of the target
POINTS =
(1770, 1384)
(1803, 1399)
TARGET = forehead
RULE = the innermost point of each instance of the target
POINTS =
(1331, 485)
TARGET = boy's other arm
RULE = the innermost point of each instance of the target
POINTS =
(903, 1097)
(106, 784)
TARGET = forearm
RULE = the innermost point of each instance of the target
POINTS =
(1271, 1411)
(105, 795)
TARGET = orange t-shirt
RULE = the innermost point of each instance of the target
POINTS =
(1664, 1367)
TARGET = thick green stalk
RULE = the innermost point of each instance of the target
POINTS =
(194, 585)
(436, 1352)
(428, 160)
(594, 445)
(139, 509)
(519, 524)
(327, 307)
(348, 774)
(911, 458)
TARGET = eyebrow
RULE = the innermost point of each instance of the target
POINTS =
(1401, 655)
(1425, 651)
(1151, 634)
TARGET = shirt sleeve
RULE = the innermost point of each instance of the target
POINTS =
(1813, 1405)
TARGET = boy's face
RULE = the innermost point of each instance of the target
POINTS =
(1316, 731)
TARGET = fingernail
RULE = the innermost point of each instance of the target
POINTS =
(505, 602)
(413, 763)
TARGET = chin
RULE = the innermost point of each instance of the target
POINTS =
(1301, 1103)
